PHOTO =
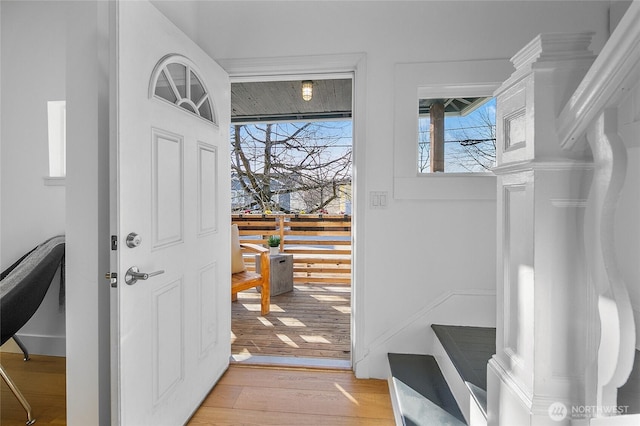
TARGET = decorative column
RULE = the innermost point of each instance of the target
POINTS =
(544, 303)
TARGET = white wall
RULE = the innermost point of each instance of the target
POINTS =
(33, 72)
(88, 213)
(431, 247)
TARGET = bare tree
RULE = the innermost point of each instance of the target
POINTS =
(311, 161)
(474, 146)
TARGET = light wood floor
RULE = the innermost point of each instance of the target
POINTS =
(248, 395)
(312, 321)
(42, 381)
(245, 395)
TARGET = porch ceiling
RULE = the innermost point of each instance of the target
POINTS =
(282, 101)
(452, 106)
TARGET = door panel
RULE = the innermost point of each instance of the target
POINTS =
(207, 188)
(171, 330)
(167, 187)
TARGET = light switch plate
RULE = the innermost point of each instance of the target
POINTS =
(378, 199)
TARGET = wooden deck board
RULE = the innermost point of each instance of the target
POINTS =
(312, 321)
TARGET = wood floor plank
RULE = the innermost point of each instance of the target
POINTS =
(315, 402)
(295, 378)
(223, 396)
(295, 396)
(231, 417)
(42, 382)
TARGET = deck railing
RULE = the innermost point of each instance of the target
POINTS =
(320, 243)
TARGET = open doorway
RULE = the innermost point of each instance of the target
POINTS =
(291, 161)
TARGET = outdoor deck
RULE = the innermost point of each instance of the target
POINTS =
(312, 321)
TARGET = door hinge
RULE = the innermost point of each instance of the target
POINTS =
(113, 278)
(114, 242)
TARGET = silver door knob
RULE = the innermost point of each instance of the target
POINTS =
(133, 275)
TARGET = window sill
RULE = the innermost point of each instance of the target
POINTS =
(54, 181)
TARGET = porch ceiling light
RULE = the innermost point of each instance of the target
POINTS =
(307, 90)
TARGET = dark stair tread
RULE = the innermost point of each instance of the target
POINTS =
(629, 393)
(423, 395)
(470, 349)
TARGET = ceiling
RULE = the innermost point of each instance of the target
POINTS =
(282, 101)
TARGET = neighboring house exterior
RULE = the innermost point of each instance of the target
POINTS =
(241, 200)
(286, 201)
(58, 50)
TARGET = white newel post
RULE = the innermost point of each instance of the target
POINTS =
(545, 307)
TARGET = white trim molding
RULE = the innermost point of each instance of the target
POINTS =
(352, 65)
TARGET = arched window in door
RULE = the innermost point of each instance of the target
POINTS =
(175, 80)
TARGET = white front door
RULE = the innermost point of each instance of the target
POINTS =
(171, 328)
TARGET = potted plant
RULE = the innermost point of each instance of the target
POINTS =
(274, 244)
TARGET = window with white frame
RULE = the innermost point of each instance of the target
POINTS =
(176, 81)
(57, 114)
(414, 82)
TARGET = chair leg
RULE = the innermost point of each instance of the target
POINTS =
(265, 299)
(22, 347)
(16, 392)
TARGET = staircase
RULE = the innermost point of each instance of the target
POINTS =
(449, 387)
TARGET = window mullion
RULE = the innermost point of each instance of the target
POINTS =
(187, 82)
(201, 100)
(167, 74)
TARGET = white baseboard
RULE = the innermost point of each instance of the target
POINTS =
(411, 335)
(38, 345)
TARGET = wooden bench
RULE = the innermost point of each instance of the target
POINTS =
(245, 280)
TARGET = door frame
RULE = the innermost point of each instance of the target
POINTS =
(314, 68)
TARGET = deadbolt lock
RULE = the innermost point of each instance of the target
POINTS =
(133, 240)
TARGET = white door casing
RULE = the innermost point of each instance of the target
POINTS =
(171, 335)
